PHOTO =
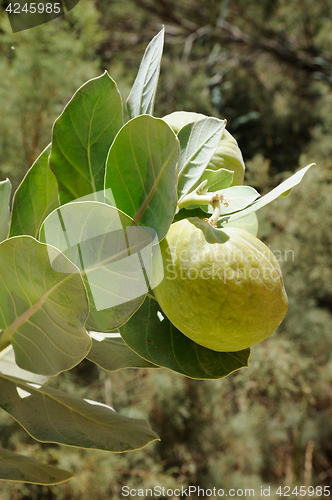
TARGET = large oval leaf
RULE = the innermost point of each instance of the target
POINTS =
(155, 339)
(42, 311)
(5, 192)
(142, 95)
(35, 198)
(141, 172)
(49, 415)
(113, 254)
(82, 136)
(14, 467)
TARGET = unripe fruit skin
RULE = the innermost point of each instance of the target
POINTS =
(222, 288)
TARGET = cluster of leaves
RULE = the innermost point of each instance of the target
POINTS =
(78, 247)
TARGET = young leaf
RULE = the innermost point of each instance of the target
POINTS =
(113, 254)
(112, 353)
(5, 192)
(272, 195)
(141, 172)
(216, 179)
(42, 311)
(236, 198)
(198, 143)
(153, 337)
(35, 198)
(14, 467)
(142, 95)
(82, 136)
(49, 415)
(248, 223)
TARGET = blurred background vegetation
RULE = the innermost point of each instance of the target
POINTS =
(267, 68)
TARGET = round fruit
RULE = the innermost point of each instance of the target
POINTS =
(227, 155)
(222, 288)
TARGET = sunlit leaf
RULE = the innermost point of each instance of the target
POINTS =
(249, 223)
(198, 142)
(141, 172)
(272, 195)
(35, 198)
(5, 192)
(142, 95)
(82, 136)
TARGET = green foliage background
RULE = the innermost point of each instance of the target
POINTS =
(266, 68)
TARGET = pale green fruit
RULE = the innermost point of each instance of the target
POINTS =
(222, 288)
(228, 154)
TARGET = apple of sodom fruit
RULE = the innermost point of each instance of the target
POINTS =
(222, 288)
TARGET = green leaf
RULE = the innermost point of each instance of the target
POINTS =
(272, 195)
(153, 337)
(82, 136)
(248, 223)
(42, 311)
(35, 198)
(216, 179)
(113, 254)
(112, 353)
(142, 95)
(9, 367)
(49, 415)
(235, 198)
(141, 172)
(184, 213)
(239, 198)
(198, 143)
(5, 192)
(14, 467)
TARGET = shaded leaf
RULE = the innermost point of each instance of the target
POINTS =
(142, 95)
(198, 143)
(154, 338)
(5, 192)
(49, 415)
(42, 311)
(14, 467)
(82, 136)
(35, 198)
(272, 195)
(9, 367)
(141, 172)
(112, 353)
(113, 254)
